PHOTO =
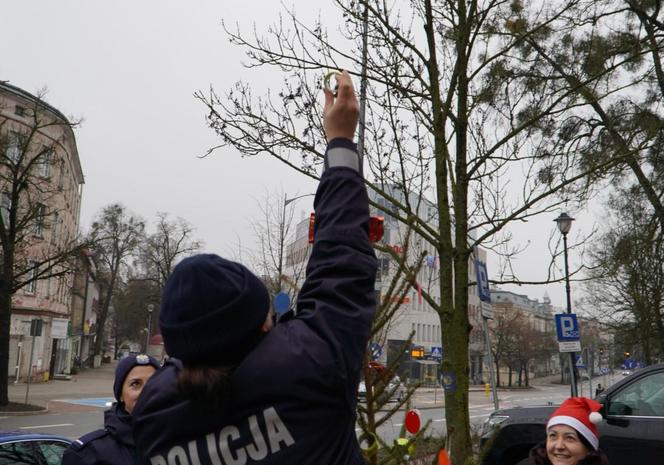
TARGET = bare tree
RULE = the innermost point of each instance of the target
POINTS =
(503, 338)
(280, 255)
(36, 194)
(116, 235)
(453, 114)
(129, 306)
(627, 281)
(170, 242)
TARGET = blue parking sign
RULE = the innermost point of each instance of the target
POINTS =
(482, 281)
(567, 327)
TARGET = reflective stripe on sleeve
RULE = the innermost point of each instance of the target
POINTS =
(342, 157)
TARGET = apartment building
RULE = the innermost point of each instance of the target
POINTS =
(534, 317)
(38, 138)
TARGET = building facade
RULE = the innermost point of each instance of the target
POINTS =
(86, 294)
(38, 139)
(529, 324)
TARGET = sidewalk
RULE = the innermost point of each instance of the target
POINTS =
(533, 384)
(91, 382)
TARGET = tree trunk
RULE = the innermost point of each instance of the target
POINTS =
(497, 373)
(5, 323)
(509, 375)
(5, 319)
(453, 309)
(457, 330)
(103, 315)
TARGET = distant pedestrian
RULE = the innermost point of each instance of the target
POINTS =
(114, 444)
(598, 390)
(572, 437)
(245, 391)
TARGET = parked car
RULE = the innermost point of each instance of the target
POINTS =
(23, 448)
(632, 430)
(395, 389)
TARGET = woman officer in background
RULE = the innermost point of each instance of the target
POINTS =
(114, 444)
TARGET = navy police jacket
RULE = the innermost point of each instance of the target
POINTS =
(294, 395)
(112, 445)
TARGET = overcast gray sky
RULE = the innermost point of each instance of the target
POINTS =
(129, 69)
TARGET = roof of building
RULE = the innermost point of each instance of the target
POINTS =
(522, 301)
(27, 96)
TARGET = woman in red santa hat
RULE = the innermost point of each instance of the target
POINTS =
(571, 436)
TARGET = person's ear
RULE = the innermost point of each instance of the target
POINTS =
(267, 324)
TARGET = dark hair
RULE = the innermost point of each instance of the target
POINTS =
(595, 457)
(209, 384)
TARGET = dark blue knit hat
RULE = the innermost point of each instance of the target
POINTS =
(125, 366)
(212, 311)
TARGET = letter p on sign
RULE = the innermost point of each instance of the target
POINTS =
(567, 327)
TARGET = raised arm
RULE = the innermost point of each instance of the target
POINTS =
(338, 299)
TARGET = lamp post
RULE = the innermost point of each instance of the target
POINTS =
(147, 341)
(564, 222)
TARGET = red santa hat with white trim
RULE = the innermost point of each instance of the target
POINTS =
(582, 414)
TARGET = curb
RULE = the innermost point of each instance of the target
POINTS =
(24, 413)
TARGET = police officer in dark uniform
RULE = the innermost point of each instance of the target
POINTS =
(114, 444)
(238, 390)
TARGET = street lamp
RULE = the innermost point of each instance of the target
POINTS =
(287, 201)
(147, 342)
(564, 222)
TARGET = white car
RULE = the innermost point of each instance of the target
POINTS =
(395, 389)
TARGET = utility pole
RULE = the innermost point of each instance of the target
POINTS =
(147, 340)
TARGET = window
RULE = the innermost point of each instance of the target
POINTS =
(44, 163)
(14, 146)
(54, 227)
(19, 110)
(5, 207)
(40, 215)
(16, 453)
(51, 452)
(61, 178)
(643, 398)
(31, 287)
(383, 268)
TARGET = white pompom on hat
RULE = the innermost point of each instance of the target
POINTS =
(582, 414)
